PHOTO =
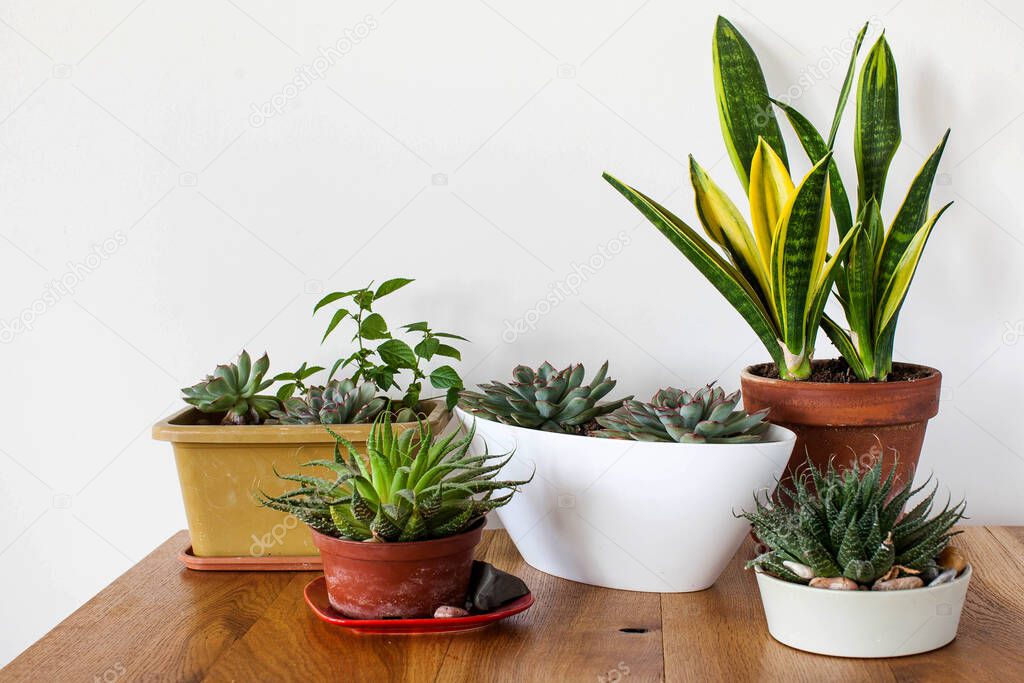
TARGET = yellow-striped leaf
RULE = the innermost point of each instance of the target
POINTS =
(725, 224)
(743, 107)
(877, 130)
(770, 188)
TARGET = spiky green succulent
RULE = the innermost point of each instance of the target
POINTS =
(841, 524)
(233, 389)
(339, 402)
(411, 487)
(707, 415)
(547, 399)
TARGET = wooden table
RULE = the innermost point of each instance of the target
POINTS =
(160, 621)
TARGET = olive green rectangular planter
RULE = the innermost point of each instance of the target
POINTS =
(220, 467)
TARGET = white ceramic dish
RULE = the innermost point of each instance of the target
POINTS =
(631, 515)
(863, 623)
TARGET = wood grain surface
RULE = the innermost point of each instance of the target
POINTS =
(161, 622)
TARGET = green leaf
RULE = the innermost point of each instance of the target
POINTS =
(449, 335)
(397, 354)
(841, 339)
(452, 397)
(911, 215)
(389, 286)
(427, 348)
(330, 298)
(816, 149)
(720, 273)
(339, 315)
(447, 351)
(877, 131)
(798, 255)
(417, 327)
(847, 84)
(743, 107)
(860, 283)
(285, 392)
(374, 327)
(445, 377)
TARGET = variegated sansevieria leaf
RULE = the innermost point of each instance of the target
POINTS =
(770, 188)
(737, 290)
(877, 130)
(844, 93)
(821, 291)
(896, 287)
(742, 96)
(798, 258)
(860, 283)
(725, 225)
(910, 217)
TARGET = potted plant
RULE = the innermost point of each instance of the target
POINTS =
(628, 495)
(845, 574)
(231, 438)
(396, 527)
(777, 272)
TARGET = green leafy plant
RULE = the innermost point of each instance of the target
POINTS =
(777, 272)
(881, 262)
(707, 415)
(233, 389)
(295, 380)
(412, 486)
(381, 357)
(547, 399)
(846, 525)
(340, 402)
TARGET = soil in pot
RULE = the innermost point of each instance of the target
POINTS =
(397, 580)
(850, 422)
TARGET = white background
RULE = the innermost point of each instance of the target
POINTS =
(459, 142)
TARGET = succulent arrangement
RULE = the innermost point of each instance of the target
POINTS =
(845, 531)
(339, 402)
(381, 357)
(412, 486)
(234, 390)
(707, 415)
(546, 399)
(776, 270)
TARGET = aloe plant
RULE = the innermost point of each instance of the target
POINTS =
(880, 264)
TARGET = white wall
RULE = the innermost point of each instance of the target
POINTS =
(459, 142)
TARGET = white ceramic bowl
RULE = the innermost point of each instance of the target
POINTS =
(631, 515)
(863, 623)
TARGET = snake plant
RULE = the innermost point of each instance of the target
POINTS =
(777, 272)
(880, 263)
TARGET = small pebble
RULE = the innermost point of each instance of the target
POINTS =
(930, 574)
(835, 583)
(801, 570)
(898, 584)
(952, 558)
(944, 577)
(449, 612)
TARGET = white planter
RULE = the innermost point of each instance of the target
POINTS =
(631, 515)
(863, 623)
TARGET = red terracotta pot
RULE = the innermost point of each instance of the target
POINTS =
(397, 580)
(854, 423)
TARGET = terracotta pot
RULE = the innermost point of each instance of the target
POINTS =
(853, 423)
(220, 466)
(397, 580)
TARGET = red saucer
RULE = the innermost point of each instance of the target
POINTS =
(316, 598)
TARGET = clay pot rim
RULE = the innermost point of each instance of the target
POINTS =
(933, 376)
(782, 433)
(381, 551)
(965, 575)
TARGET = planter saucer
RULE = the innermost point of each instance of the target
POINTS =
(267, 563)
(316, 597)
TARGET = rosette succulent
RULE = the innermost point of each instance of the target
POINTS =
(707, 415)
(340, 402)
(844, 531)
(547, 399)
(410, 487)
(233, 389)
